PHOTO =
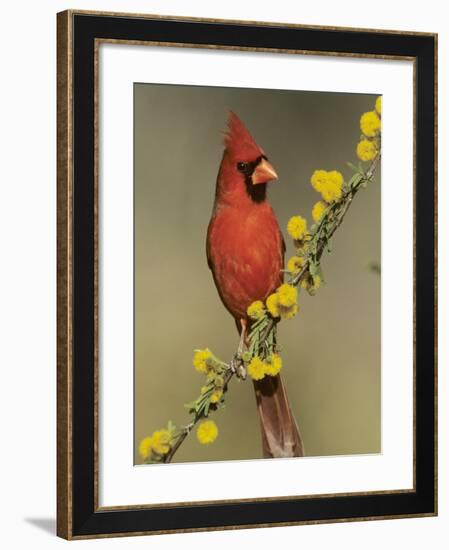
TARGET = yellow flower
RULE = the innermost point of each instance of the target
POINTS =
(288, 312)
(318, 179)
(161, 441)
(146, 447)
(273, 305)
(216, 396)
(366, 150)
(207, 432)
(318, 211)
(379, 105)
(211, 375)
(329, 184)
(335, 178)
(311, 284)
(256, 310)
(370, 123)
(297, 227)
(332, 190)
(200, 359)
(331, 194)
(256, 368)
(204, 389)
(274, 366)
(295, 264)
(287, 295)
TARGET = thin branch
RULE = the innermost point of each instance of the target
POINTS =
(339, 209)
(187, 429)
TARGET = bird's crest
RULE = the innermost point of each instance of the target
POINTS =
(239, 142)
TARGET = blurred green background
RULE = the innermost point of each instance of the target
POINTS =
(331, 350)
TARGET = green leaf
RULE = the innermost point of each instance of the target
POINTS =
(171, 427)
(260, 321)
(200, 409)
(353, 182)
(253, 332)
(252, 347)
(353, 167)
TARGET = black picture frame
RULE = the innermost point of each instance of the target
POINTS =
(78, 513)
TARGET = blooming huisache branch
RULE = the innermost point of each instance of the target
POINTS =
(262, 355)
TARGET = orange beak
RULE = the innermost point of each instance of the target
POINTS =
(264, 172)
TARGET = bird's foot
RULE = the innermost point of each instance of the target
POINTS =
(241, 347)
(238, 366)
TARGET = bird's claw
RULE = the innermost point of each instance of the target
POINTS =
(234, 364)
(238, 367)
(241, 372)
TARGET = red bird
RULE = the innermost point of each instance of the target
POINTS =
(245, 251)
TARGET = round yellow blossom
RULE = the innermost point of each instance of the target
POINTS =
(379, 105)
(274, 366)
(311, 284)
(146, 447)
(331, 194)
(256, 310)
(216, 396)
(332, 190)
(256, 368)
(295, 264)
(318, 179)
(329, 184)
(366, 150)
(200, 359)
(273, 305)
(335, 178)
(207, 432)
(287, 295)
(161, 441)
(297, 227)
(370, 123)
(318, 211)
(288, 312)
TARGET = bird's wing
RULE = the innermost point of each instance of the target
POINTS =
(208, 251)
(209, 260)
(283, 246)
(282, 250)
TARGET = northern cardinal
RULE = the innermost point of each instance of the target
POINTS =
(245, 251)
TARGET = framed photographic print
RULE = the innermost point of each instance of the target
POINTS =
(246, 274)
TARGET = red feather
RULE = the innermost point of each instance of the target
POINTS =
(245, 247)
(246, 255)
(238, 141)
(245, 251)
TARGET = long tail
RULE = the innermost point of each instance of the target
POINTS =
(280, 433)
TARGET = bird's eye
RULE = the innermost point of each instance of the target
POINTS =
(243, 166)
